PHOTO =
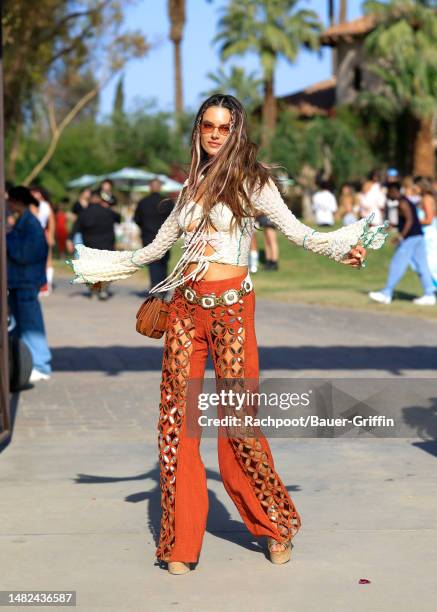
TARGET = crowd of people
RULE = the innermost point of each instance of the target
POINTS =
(409, 205)
(387, 197)
(35, 227)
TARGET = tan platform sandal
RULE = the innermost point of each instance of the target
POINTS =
(178, 567)
(278, 557)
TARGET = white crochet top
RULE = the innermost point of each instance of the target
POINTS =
(230, 245)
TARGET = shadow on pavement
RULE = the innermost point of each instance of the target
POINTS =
(219, 521)
(390, 359)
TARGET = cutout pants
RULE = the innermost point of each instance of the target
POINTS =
(246, 464)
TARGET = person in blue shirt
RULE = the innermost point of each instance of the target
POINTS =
(27, 252)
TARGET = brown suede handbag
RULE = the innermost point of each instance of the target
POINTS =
(153, 312)
(152, 317)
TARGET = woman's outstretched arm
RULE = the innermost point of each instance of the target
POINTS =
(97, 265)
(336, 245)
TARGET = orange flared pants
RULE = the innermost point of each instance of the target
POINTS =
(246, 464)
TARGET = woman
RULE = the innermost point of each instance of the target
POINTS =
(271, 247)
(46, 216)
(372, 198)
(213, 308)
(348, 205)
(324, 204)
(61, 233)
(78, 207)
(426, 211)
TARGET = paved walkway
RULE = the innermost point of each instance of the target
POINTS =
(80, 491)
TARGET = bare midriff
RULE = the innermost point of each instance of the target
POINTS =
(216, 271)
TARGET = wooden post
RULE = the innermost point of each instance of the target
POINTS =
(4, 352)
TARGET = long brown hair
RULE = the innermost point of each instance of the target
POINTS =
(234, 174)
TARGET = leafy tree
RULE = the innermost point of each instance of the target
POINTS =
(146, 140)
(118, 110)
(403, 53)
(271, 29)
(245, 87)
(326, 144)
(36, 34)
(52, 47)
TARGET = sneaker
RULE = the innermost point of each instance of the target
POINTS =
(36, 376)
(425, 300)
(271, 265)
(380, 297)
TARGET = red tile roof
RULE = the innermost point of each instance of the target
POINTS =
(317, 99)
(348, 30)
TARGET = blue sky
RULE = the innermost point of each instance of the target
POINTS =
(152, 77)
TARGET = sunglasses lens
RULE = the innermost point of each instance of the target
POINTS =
(207, 128)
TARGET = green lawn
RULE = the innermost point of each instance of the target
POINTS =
(312, 279)
(307, 278)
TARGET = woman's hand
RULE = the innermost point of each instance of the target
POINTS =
(355, 257)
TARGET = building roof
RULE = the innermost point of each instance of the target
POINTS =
(348, 30)
(317, 99)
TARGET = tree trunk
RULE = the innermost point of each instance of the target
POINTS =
(179, 101)
(424, 153)
(269, 113)
(15, 149)
(58, 129)
(176, 14)
(343, 11)
(331, 12)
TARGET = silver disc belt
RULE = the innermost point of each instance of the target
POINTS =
(210, 300)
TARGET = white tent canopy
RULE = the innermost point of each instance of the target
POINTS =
(128, 179)
(131, 174)
(87, 180)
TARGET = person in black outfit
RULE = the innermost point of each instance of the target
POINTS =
(411, 249)
(82, 202)
(106, 192)
(150, 214)
(96, 225)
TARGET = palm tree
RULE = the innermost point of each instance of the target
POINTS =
(245, 87)
(272, 29)
(403, 54)
(331, 12)
(343, 11)
(176, 14)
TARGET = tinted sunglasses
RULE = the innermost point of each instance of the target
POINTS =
(206, 127)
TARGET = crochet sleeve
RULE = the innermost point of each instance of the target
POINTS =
(99, 265)
(335, 245)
